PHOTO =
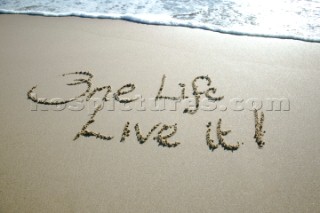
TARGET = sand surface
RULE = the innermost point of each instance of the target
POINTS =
(43, 170)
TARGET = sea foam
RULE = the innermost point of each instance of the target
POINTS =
(287, 19)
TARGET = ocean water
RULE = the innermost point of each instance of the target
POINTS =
(291, 19)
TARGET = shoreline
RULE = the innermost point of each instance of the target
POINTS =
(43, 169)
(137, 20)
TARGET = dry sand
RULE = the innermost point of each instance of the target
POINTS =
(43, 170)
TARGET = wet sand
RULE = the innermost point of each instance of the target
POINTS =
(43, 169)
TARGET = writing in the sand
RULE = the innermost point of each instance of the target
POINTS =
(163, 132)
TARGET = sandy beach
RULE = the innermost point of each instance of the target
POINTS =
(43, 169)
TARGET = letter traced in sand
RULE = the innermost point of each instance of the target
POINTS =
(122, 91)
(141, 138)
(98, 89)
(32, 95)
(221, 133)
(87, 133)
(210, 142)
(163, 140)
(125, 132)
(259, 133)
(159, 95)
(197, 93)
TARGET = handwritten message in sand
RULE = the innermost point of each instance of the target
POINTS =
(164, 131)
